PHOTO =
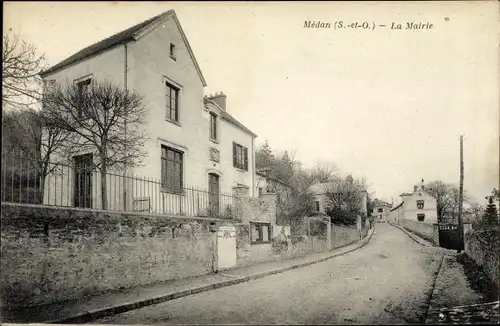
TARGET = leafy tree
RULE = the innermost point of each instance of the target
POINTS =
(264, 157)
(105, 120)
(491, 214)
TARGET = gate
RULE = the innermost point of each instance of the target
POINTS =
(448, 236)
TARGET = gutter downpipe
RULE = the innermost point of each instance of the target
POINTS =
(125, 83)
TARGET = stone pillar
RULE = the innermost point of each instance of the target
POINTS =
(329, 235)
(239, 193)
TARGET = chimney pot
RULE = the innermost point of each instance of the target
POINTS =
(220, 99)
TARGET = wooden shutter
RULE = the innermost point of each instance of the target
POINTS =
(234, 154)
(245, 158)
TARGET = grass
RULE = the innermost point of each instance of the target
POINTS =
(478, 279)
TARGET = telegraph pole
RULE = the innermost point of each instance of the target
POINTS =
(461, 197)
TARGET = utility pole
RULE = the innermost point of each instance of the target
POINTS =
(461, 197)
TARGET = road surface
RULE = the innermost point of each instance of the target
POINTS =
(387, 281)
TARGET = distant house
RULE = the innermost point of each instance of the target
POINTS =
(381, 210)
(193, 140)
(264, 183)
(321, 202)
(415, 206)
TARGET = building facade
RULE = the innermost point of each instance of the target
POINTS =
(415, 206)
(381, 210)
(193, 142)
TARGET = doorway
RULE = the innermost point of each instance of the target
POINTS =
(213, 194)
(83, 181)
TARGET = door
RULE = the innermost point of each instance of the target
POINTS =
(213, 194)
(83, 181)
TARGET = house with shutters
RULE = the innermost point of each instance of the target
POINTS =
(195, 145)
(417, 206)
(381, 210)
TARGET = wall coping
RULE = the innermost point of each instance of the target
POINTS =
(75, 209)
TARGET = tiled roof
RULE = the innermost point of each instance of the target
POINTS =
(397, 206)
(229, 118)
(122, 37)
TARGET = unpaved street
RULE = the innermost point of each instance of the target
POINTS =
(388, 281)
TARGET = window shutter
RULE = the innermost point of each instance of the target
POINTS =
(245, 158)
(234, 154)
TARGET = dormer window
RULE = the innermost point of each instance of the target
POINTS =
(172, 51)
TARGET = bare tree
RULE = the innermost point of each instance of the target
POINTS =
(21, 65)
(106, 121)
(31, 137)
(324, 172)
(447, 198)
(345, 198)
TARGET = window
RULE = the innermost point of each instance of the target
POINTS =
(171, 169)
(380, 210)
(172, 102)
(84, 85)
(260, 233)
(421, 217)
(83, 88)
(316, 205)
(213, 126)
(420, 204)
(240, 157)
(172, 51)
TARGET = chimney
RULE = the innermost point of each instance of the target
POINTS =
(219, 98)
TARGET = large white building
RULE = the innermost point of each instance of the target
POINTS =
(415, 206)
(193, 140)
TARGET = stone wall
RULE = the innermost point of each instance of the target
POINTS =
(427, 231)
(252, 209)
(343, 235)
(483, 247)
(51, 255)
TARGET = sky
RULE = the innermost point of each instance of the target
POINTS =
(385, 104)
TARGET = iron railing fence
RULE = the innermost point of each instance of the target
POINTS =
(28, 181)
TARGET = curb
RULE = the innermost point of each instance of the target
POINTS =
(433, 290)
(88, 316)
(414, 237)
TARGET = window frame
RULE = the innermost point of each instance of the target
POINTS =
(168, 102)
(421, 216)
(240, 153)
(213, 126)
(317, 205)
(89, 81)
(260, 238)
(380, 210)
(164, 170)
(172, 51)
(420, 204)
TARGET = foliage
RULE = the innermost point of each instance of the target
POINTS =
(21, 66)
(490, 217)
